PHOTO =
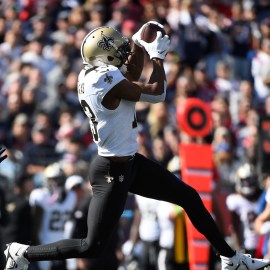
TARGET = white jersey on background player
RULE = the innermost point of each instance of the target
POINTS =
(93, 85)
(246, 210)
(55, 215)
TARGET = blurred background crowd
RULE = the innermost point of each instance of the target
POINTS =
(220, 53)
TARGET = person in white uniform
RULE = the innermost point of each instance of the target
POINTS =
(108, 89)
(52, 206)
(149, 232)
(243, 205)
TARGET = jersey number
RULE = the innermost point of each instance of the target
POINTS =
(93, 122)
(58, 220)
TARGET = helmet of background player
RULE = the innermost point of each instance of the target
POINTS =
(54, 177)
(105, 45)
(246, 180)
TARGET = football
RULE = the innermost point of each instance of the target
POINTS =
(149, 32)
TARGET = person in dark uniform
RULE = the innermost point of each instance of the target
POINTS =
(19, 227)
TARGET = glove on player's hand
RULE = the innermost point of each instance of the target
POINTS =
(137, 36)
(158, 48)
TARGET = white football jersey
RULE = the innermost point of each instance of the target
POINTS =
(166, 224)
(149, 229)
(55, 213)
(247, 212)
(114, 131)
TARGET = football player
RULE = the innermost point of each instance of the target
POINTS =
(243, 206)
(108, 89)
(52, 206)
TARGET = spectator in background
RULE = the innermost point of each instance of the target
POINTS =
(13, 167)
(119, 15)
(66, 128)
(185, 88)
(14, 107)
(206, 89)
(248, 138)
(191, 35)
(128, 27)
(261, 70)
(150, 12)
(158, 118)
(224, 82)
(264, 27)
(223, 156)
(29, 100)
(19, 135)
(221, 106)
(11, 47)
(96, 17)
(245, 92)
(61, 32)
(40, 152)
(216, 42)
(172, 140)
(75, 157)
(173, 14)
(241, 41)
(58, 62)
(161, 151)
(77, 18)
(39, 29)
(33, 54)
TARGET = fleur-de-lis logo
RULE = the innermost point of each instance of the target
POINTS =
(105, 42)
(108, 79)
(108, 178)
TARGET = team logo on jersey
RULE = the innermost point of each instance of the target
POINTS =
(105, 43)
(109, 178)
(108, 79)
(121, 178)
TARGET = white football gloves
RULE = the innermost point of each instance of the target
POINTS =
(158, 48)
(137, 36)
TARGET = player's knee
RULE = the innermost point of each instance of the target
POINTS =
(91, 250)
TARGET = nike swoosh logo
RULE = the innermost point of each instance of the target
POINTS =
(162, 51)
(16, 254)
(229, 264)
